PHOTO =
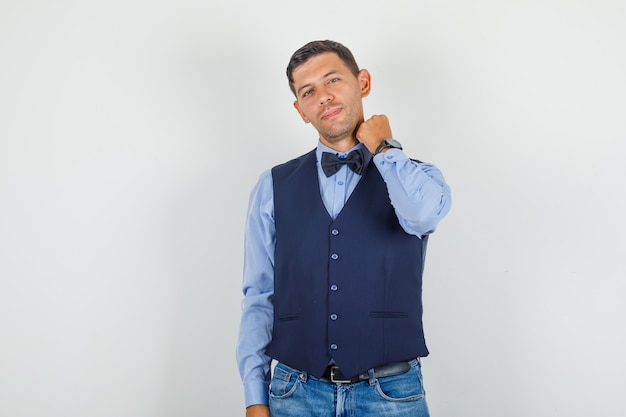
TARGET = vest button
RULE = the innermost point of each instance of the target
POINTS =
(333, 347)
(333, 287)
(334, 232)
(333, 317)
(334, 256)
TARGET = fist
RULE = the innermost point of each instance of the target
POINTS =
(373, 131)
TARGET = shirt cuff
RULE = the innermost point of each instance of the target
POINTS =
(385, 160)
(256, 392)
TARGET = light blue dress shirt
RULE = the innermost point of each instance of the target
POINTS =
(419, 195)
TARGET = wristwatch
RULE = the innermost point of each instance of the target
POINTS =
(387, 143)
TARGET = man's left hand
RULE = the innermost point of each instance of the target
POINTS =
(373, 131)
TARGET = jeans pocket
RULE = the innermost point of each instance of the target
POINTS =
(283, 383)
(405, 387)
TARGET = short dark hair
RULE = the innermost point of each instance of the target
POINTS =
(315, 48)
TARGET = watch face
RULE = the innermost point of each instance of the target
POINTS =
(387, 143)
(394, 143)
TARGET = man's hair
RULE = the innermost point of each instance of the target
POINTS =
(315, 48)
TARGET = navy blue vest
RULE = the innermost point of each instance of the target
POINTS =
(349, 289)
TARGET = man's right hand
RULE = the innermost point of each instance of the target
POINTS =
(258, 410)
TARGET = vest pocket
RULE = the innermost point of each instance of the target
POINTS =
(388, 315)
(288, 317)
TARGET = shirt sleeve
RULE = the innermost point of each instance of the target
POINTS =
(258, 287)
(417, 190)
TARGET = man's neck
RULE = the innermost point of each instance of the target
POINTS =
(342, 145)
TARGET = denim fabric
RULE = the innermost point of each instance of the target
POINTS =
(294, 393)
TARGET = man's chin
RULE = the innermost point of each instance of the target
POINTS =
(337, 134)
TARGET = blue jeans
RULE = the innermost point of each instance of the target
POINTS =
(296, 394)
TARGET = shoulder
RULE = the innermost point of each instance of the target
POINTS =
(294, 164)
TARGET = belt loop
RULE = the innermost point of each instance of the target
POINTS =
(372, 378)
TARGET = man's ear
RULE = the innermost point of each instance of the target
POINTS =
(300, 112)
(365, 81)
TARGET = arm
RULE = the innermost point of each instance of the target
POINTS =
(258, 287)
(418, 191)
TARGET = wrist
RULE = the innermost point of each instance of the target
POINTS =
(258, 410)
(386, 144)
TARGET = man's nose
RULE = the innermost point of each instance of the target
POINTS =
(325, 96)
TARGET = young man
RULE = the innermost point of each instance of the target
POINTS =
(334, 252)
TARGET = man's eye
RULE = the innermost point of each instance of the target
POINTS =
(333, 80)
(307, 93)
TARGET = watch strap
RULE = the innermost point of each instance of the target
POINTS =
(384, 145)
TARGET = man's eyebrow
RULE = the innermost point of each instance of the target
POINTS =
(333, 72)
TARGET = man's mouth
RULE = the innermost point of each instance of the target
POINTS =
(330, 113)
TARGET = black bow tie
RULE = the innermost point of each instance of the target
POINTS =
(331, 163)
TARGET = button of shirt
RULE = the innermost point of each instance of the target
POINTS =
(333, 317)
(333, 346)
(334, 232)
(333, 287)
(334, 256)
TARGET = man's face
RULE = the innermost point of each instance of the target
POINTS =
(329, 97)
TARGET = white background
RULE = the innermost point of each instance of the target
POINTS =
(131, 133)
